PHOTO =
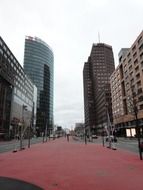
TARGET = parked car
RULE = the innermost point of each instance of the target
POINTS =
(113, 138)
(52, 136)
(94, 136)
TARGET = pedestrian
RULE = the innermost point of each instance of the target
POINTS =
(68, 135)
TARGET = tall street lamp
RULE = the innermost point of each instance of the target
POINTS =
(85, 135)
(30, 126)
(102, 134)
(29, 133)
(108, 129)
(24, 108)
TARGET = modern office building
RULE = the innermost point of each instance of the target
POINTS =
(127, 89)
(79, 129)
(39, 66)
(97, 94)
(89, 102)
(16, 94)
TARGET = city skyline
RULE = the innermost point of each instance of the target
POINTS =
(70, 28)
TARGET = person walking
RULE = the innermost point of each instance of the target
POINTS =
(68, 135)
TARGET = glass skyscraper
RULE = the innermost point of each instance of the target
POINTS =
(39, 66)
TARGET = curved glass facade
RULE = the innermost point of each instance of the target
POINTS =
(39, 66)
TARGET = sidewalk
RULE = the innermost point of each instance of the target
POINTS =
(62, 165)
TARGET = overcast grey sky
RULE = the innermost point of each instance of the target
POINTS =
(70, 27)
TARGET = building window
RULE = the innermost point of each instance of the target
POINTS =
(137, 69)
(132, 80)
(138, 76)
(134, 55)
(128, 55)
(129, 62)
(141, 47)
(136, 62)
(139, 90)
(141, 107)
(133, 49)
(130, 67)
(140, 40)
(140, 98)
(141, 56)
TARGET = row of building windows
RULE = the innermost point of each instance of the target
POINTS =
(23, 86)
(130, 73)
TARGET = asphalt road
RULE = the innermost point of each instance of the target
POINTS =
(128, 144)
(122, 143)
(15, 144)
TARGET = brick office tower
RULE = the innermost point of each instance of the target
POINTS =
(97, 94)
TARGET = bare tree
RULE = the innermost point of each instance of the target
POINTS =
(132, 102)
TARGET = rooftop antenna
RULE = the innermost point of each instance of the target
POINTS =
(98, 37)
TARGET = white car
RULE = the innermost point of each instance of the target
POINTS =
(94, 136)
(113, 138)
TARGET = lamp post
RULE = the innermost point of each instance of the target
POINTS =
(29, 133)
(24, 108)
(108, 126)
(20, 128)
(30, 126)
(137, 129)
(85, 135)
(103, 143)
(46, 132)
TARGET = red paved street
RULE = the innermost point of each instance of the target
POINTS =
(62, 165)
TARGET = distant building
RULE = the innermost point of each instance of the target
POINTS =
(79, 129)
(39, 66)
(97, 93)
(127, 88)
(16, 93)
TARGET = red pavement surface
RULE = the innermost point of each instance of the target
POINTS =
(62, 165)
